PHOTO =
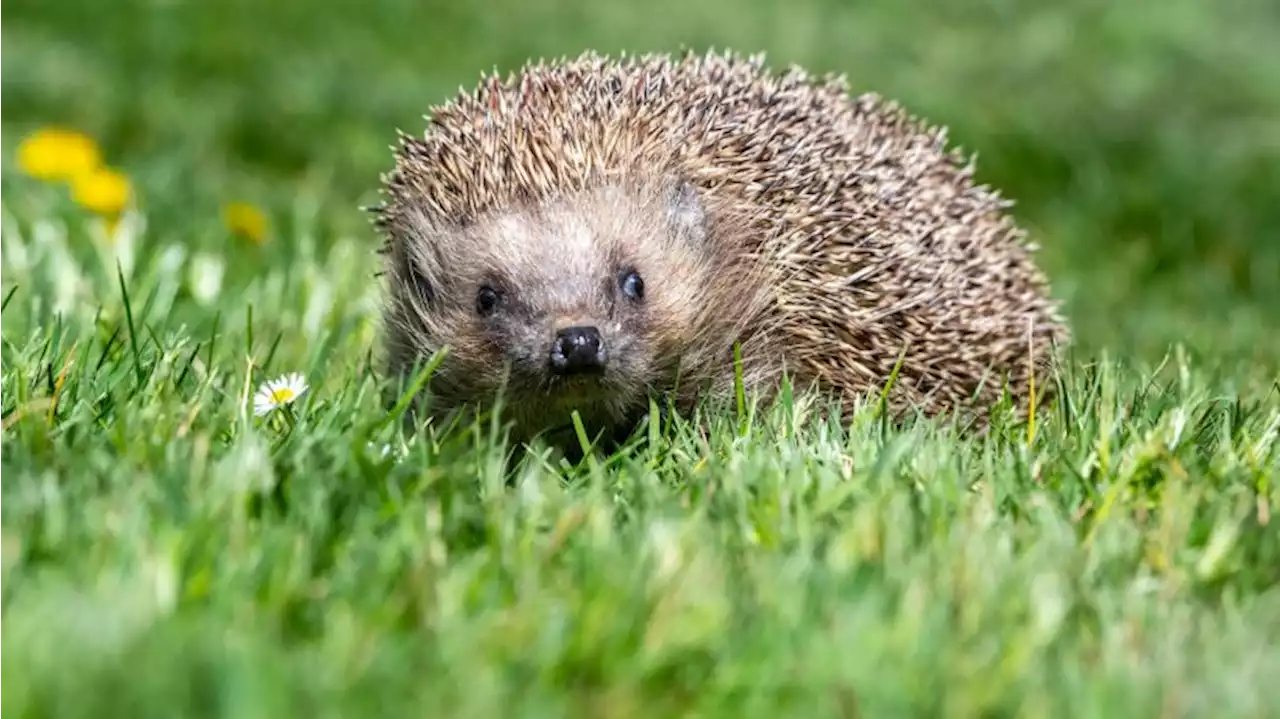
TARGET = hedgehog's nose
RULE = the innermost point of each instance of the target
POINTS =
(577, 350)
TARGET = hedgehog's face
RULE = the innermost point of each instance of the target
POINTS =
(583, 303)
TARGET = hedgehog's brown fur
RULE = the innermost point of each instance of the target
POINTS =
(832, 237)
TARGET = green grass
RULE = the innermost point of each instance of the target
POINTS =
(166, 553)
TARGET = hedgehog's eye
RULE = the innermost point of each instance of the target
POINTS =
(632, 285)
(486, 300)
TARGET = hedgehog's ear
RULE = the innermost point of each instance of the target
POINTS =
(425, 288)
(686, 211)
(420, 263)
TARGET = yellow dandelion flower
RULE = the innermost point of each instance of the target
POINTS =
(101, 190)
(54, 153)
(246, 220)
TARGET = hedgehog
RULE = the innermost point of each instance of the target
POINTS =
(594, 233)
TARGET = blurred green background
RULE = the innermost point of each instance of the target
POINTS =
(1141, 140)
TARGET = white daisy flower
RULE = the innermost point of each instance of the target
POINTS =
(278, 392)
(206, 272)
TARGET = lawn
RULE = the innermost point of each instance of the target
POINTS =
(167, 553)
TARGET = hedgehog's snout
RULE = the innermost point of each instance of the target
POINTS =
(577, 350)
